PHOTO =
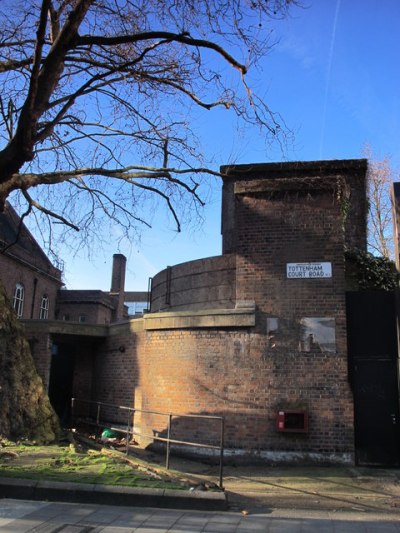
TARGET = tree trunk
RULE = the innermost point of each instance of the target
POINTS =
(25, 410)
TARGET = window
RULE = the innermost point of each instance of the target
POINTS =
(82, 318)
(44, 308)
(317, 334)
(19, 296)
(314, 334)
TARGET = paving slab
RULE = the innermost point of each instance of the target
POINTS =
(51, 517)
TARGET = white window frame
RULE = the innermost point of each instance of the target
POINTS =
(19, 297)
(44, 308)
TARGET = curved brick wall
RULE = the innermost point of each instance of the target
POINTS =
(205, 349)
(232, 373)
(202, 284)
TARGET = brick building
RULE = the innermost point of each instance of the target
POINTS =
(95, 306)
(261, 329)
(30, 280)
(258, 334)
(34, 285)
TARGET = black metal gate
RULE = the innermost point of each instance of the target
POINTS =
(373, 371)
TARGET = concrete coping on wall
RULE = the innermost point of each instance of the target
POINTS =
(62, 327)
(243, 315)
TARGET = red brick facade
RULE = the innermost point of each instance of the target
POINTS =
(23, 264)
(89, 307)
(248, 374)
(276, 343)
(37, 286)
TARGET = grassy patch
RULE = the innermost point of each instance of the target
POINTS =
(66, 463)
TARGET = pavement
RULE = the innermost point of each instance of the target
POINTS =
(260, 487)
(273, 499)
(44, 517)
(324, 489)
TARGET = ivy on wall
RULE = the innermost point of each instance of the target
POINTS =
(366, 271)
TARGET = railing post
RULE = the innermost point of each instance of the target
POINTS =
(128, 432)
(168, 441)
(72, 411)
(221, 453)
(98, 430)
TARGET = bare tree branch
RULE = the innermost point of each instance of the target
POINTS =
(97, 101)
(167, 36)
(39, 207)
(380, 222)
(100, 194)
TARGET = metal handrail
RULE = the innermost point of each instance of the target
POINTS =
(129, 430)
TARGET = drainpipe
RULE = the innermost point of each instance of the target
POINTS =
(35, 281)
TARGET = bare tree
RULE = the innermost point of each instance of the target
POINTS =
(97, 96)
(380, 216)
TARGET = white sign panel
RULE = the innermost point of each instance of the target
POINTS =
(309, 270)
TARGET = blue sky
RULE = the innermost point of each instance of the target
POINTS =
(333, 75)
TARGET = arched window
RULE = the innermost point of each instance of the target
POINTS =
(44, 307)
(19, 295)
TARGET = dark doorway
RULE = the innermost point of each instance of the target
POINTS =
(61, 379)
(373, 371)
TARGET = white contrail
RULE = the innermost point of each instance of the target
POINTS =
(328, 77)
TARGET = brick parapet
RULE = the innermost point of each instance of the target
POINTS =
(202, 284)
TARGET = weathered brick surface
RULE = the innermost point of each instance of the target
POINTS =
(248, 373)
(234, 375)
(226, 373)
(115, 370)
(13, 272)
(89, 313)
(205, 283)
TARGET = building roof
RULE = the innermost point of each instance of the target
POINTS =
(86, 297)
(294, 168)
(17, 242)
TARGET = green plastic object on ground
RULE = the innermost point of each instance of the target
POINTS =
(109, 434)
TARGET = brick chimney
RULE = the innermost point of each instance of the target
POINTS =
(118, 285)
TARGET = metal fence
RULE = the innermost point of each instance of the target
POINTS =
(120, 418)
